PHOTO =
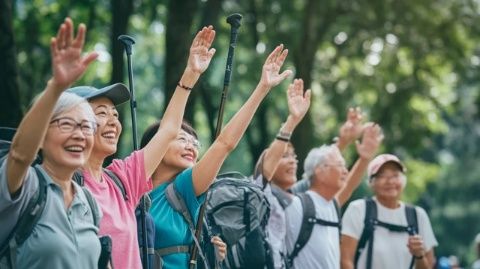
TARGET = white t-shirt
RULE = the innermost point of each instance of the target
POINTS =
(389, 248)
(322, 251)
(276, 227)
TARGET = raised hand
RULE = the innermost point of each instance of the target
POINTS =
(67, 62)
(270, 71)
(298, 102)
(371, 140)
(352, 128)
(200, 52)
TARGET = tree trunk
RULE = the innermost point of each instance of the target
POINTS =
(9, 90)
(121, 12)
(178, 40)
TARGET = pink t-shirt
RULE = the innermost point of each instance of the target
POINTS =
(119, 215)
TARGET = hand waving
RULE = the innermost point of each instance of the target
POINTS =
(298, 102)
(271, 68)
(352, 128)
(372, 137)
(200, 52)
(67, 62)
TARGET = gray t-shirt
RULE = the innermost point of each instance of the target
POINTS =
(62, 238)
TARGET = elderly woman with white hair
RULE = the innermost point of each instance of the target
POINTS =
(62, 125)
(384, 232)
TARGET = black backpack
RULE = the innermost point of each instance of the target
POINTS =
(371, 221)
(308, 222)
(34, 209)
(237, 211)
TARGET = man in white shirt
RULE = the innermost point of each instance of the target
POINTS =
(330, 183)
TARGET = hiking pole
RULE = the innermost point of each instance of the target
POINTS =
(234, 21)
(127, 42)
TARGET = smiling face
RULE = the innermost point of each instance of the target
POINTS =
(286, 173)
(67, 147)
(332, 174)
(109, 127)
(389, 182)
(182, 152)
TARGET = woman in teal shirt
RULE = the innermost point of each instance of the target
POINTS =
(191, 178)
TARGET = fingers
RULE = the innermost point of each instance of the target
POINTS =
(273, 55)
(60, 39)
(68, 31)
(80, 39)
(285, 74)
(308, 96)
(92, 56)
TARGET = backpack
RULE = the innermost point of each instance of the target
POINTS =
(33, 211)
(237, 210)
(371, 221)
(308, 222)
(150, 226)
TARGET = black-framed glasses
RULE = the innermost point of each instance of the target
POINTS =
(192, 141)
(68, 125)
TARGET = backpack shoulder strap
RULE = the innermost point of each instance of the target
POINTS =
(308, 221)
(117, 182)
(283, 197)
(368, 228)
(93, 206)
(78, 177)
(338, 209)
(177, 202)
(411, 214)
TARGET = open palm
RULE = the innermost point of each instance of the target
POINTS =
(270, 72)
(298, 102)
(371, 140)
(352, 128)
(67, 62)
(200, 52)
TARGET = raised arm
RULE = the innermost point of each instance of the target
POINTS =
(372, 137)
(200, 56)
(67, 66)
(298, 104)
(205, 171)
(351, 129)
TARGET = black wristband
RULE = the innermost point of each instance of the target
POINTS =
(282, 138)
(418, 257)
(184, 87)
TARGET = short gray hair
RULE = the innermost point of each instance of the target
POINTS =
(68, 101)
(315, 157)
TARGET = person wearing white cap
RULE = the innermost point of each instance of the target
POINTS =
(383, 232)
(331, 186)
(135, 171)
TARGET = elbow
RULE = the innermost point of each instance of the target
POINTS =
(226, 144)
(20, 158)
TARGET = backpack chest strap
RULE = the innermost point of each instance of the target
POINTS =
(394, 227)
(172, 250)
(324, 222)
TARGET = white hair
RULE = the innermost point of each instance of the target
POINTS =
(316, 157)
(68, 101)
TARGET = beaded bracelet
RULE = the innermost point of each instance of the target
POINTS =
(184, 87)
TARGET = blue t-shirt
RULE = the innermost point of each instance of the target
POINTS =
(170, 227)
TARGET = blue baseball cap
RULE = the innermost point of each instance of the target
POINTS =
(117, 93)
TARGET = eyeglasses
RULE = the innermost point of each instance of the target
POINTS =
(289, 155)
(192, 141)
(341, 165)
(68, 125)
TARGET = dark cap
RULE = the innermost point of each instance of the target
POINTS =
(117, 93)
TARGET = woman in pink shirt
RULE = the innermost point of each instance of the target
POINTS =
(134, 171)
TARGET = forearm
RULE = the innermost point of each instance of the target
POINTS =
(346, 264)
(236, 127)
(353, 180)
(29, 136)
(426, 262)
(276, 150)
(170, 123)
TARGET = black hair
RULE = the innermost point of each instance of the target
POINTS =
(152, 130)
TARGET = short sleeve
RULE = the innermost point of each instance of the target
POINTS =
(352, 221)
(10, 208)
(131, 172)
(184, 185)
(425, 229)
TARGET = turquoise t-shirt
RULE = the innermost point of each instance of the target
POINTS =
(170, 227)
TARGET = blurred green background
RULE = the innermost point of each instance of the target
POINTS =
(412, 66)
